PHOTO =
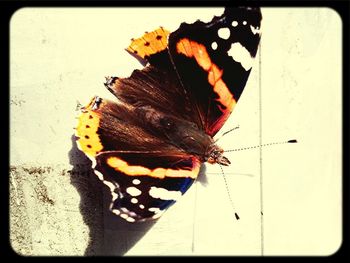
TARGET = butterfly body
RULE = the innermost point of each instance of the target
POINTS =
(148, 146)
(186, 136)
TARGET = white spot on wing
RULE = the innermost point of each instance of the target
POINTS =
(154, 210)
(99, 175)
(155, 216)
(244, 22)
(114, 196)
(136, 181)
(134, 200)
(110, 185)
(164, 194)
(93, 162)
(224, 33)
(241, 55)
(234, 23)
(142, 206)
(133, 191)
(130, 219)
(255, 30)
(125, 216)
(124, 210)
(116, 211)
(214, 45)
(131, 213)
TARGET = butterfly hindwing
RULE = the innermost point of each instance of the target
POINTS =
(144, 184)
(146, 173)
(213, 61)
(108, 126)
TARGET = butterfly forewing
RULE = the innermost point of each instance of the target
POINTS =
(213, 61)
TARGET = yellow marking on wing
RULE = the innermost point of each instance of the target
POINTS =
(150, 43)
(86, 131)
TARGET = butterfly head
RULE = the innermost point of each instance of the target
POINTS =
(215, 155)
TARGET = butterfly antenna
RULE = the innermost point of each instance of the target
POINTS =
(228, 192)
(226, 132)
(261, 145)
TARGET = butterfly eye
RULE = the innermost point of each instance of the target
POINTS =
(167, 124)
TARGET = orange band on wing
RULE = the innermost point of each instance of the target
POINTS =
(190, 49)
(150, 43)
(86, 130)
(226, 97)
(137, 170)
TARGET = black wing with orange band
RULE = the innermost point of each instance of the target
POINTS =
(144, 185)
(213, 61)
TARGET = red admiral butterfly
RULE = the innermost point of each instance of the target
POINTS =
(148, 147)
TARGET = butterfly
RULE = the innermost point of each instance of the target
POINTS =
(148, 145)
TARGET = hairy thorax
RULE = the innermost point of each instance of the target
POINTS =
(183, 134)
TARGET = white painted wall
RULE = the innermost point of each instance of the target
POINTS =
(61, 56)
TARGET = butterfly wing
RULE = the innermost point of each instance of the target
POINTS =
(156, 87)
(213, 61)
(145, 173)
(144, 185)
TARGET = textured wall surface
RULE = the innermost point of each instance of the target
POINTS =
(59, 58)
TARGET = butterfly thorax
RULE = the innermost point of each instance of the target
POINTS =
(183, 134)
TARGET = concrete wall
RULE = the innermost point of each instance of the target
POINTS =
(59, 58)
